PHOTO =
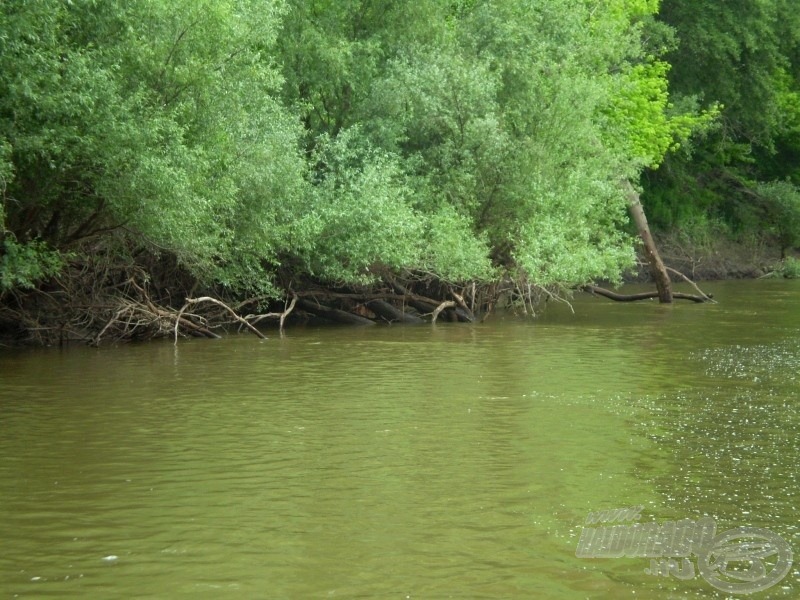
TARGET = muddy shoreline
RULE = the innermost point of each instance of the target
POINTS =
(713, 260)
(149, 307)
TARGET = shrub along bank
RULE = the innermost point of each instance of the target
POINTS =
(330, 156)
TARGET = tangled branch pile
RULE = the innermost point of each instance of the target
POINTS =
(103, 298)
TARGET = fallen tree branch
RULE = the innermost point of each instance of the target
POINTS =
(426, 305)
(460, 299)
(420, 303)
(693, 284)
(440, 308)
(96, 340)
(556, 298)
(593, 289)
(254, 319)
(390, 313)
(334, 314)
(191, 301)
(287, 312)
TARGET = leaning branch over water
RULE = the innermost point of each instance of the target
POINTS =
(706, 298)
(593, 289)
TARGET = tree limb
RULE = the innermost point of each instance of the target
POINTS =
(440, 308)
(191, 301)
(693, 284)
(593, 289)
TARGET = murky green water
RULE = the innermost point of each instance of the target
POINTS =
(452, 461)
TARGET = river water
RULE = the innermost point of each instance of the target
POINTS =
(448, 461)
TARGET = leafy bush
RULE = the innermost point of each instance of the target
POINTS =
(157, 116)
(782, 200)
(789, 268)
(463, 139)
(25, 265)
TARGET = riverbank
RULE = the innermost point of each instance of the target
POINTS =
(155, 299)
(714, 257)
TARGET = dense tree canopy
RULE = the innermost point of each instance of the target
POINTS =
(150, 119)
(259, 142)
(742, 55)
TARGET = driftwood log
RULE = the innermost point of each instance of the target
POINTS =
(391, 313)
(333, 314)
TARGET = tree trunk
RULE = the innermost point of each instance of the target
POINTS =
(657, 268)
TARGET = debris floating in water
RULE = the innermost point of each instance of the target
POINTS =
(110, 558)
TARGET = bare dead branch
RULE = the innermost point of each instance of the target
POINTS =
(193, 301)
(440, 308)
(693, 284)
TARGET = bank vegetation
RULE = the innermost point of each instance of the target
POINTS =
(171, 167)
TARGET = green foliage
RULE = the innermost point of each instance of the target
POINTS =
(782, 161)
(156, 116)
(24, 265)
(6, 174)
(641, 114)
(359, 221)
(439, 111)
(514, 119)
(789, 268)
(453, 251)
(782, 200)
(728, 53)
(743, 56)
(466, 140)
(560, 209)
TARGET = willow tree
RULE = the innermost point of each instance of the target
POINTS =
(143, 152)
(453, 142)
(509, 124)
(151, 123)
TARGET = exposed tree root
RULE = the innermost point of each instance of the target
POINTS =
(106, 299)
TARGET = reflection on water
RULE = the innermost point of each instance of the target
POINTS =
(757, 362)
(421, 462)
